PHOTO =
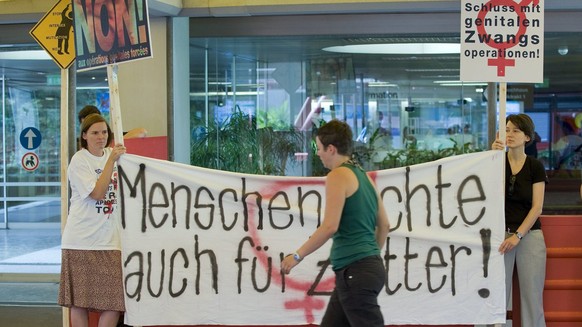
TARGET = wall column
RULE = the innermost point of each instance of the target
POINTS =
(179, 89)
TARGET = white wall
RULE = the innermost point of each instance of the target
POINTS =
(143, 87)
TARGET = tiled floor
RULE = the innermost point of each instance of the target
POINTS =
(29, 251)
(17, 242)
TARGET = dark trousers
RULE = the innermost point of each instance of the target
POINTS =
(354, 301)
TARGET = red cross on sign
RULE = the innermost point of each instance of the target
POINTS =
(502, 41)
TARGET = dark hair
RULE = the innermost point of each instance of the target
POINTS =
(524, 123)
(86, 111)
(89, 121)
(567, 128)
(339, 134)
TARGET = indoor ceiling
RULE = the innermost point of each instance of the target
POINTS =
(360, 22)
(563, 72)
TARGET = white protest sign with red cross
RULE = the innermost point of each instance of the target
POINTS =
(502, 41)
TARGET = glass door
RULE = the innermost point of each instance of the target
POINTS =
(30, 169)
(3, 211)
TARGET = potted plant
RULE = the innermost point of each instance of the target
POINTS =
(236, 145)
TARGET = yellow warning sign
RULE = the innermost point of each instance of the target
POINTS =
(54, 32)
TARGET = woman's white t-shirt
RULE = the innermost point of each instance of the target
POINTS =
(91, 224)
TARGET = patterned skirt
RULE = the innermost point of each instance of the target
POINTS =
(91, 279)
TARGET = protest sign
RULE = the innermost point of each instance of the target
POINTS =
(203, 246)
(110, 32)
(502, 41)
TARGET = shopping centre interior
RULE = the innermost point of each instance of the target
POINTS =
(267, 62)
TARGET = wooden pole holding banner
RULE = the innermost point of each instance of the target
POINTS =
(114, 103)
(502, 134)
(502, 109)
(64, 163)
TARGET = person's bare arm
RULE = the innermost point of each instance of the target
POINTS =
(335, 198)
(102, 184)
(382, 221)
(135, 133)
(336, 185)
(533, 214)
(382, 227)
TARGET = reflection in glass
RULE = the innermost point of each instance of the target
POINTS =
(404, 108)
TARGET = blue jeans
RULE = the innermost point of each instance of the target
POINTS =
(354, 301)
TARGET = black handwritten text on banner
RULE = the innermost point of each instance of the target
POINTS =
(204, 247)
(502, 41)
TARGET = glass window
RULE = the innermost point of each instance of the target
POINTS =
(393, 102)
(31, 137)
(403, 108)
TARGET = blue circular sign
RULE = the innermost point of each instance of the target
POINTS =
(30, 138)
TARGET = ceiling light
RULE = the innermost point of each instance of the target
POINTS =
(92, 87)
(431, 70)
(563, 50)
(268, 70)
(398, 48)
(25, 55)
(459, 83)
(381, 84)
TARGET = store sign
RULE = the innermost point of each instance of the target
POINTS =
(55, 34)
(518, 93)
(110, 32)
(502, 41)
(521, 93)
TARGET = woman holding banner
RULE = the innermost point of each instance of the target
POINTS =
(524, 245)
(91, 277)
(356, 220)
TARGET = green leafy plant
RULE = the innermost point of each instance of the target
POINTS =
(413, 156)
(410, 155)
(236, 145)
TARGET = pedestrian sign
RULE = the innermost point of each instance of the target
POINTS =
(54, 32)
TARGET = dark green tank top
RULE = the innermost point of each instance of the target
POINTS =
(356, 236)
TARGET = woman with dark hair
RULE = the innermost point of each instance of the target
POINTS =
(524, 245)
(91, 277)
(355, 218)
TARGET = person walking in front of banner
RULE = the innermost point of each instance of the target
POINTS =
(91, 275)
(524, 245)
(355, 218)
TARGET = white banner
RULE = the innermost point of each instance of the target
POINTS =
(502, 41)
(204, 246)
